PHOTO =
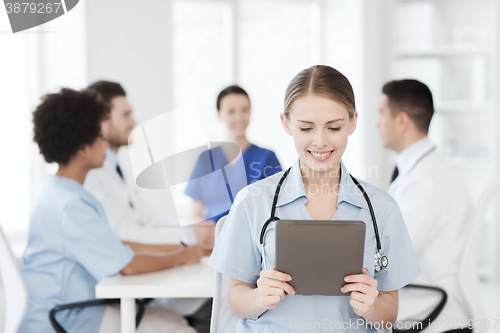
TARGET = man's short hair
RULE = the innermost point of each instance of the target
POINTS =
(412, 97)
(66, 122)
(108, 90)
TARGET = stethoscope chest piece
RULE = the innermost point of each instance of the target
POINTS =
(380, 261)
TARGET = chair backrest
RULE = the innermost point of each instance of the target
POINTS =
(223, 321)
(468, 276)
(16, 292)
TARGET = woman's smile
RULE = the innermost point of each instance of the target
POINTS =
(320, 155)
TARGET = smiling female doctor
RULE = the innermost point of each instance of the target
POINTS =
(319, 114)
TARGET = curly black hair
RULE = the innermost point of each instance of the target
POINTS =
(66, 122)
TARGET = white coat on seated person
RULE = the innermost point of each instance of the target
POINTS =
(133, 220)
(435, 205)
(438, 213)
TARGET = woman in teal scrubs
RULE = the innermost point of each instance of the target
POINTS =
(319, 114)
(212, 201)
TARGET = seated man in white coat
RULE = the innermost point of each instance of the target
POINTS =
(130, 217)
(435, 205)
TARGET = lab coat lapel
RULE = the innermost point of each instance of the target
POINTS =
(406, 167)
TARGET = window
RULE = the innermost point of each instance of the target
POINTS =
(218, 43)
(38, 61)
(15, 131)
(261, 45)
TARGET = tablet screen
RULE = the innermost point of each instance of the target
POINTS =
(319, 254)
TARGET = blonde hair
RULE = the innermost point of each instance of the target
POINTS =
(324, 81)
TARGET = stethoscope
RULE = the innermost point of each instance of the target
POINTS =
(380, 260)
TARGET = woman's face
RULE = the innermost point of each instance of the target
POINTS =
(320, 128)
(234, 110)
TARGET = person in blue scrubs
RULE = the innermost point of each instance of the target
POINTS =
(71, 245)
(320, 115)
(233, 108)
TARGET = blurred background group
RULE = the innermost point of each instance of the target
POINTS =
(171, 54)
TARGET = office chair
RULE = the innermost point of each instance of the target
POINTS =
(468, 278)
(222, 321)
(16, 294)
(97, 302)
(419, 325)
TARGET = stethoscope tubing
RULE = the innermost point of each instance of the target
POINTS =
(378, 257)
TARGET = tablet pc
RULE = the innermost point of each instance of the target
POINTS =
(319, 254)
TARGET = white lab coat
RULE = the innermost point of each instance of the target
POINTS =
(438, 214)
(134, 220)
(130, 217)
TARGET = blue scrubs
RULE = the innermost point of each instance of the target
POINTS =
(237, 251)
(258, 163)
(70, 248)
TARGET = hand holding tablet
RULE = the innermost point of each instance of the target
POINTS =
(273, 287)
(309, 249)
(363, 291)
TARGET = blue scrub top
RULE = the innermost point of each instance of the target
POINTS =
(70, 248)
(216, 191)
(237, 251)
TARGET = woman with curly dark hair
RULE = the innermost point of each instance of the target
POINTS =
(71, 246)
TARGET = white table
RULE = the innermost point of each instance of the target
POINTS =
(187, 281)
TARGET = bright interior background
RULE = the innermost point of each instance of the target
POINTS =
(171, 54)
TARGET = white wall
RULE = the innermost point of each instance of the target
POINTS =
(130, 42)
(38, 61)
(379, 161)
(353, 35)
(496, 120)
